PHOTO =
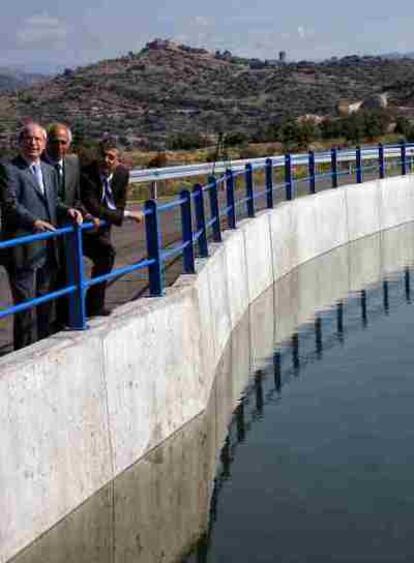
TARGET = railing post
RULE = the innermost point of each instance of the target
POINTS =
(288, 177)
(200, 220)
(269, 183)
(152, 232)
(358, 165)
(154, 190)
(76, 276)
(231, 209)
(381, 161)
(187, 232)
(403, 158)
(248, 177)
(334, 167)
(214, 209)
(311, 170)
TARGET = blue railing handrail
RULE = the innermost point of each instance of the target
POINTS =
(194, 223)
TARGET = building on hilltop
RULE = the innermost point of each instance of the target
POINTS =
(157, 44)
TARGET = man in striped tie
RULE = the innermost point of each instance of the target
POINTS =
(104, 186)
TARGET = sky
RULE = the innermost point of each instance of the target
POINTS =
(50, 35)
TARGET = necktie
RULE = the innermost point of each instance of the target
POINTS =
(37, 171)
(59, 170)
(108, 196)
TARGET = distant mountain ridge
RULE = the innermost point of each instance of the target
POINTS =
(395, 55)
(14, 79)
(169, 90)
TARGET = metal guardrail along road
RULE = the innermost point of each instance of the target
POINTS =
(138, 176)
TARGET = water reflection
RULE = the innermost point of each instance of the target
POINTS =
(318, 337)
(407, 285)
(277, 371)
(340, 321)
(169, 502)
(329, 328)
(364, 316)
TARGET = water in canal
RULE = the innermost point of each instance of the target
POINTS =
(306, 451)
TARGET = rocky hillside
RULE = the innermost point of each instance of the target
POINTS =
(169, 90)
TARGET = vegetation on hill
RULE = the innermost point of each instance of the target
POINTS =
(169, 96)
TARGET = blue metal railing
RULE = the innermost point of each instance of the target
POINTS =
(226, 204)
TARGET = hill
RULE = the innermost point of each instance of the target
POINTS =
(13, 79)
(169, 90)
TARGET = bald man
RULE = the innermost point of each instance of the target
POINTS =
(31, 205)
(59, 139)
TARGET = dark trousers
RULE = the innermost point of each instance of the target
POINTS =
(100, 250)
(34, 323)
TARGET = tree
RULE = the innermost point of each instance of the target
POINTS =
(288, 134)
(307, 132)
(353, 127)
(375, 123)
(331, 128)
(158, 161)
(402, 126)
(235, 138)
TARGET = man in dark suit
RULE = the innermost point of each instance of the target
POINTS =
(59, 139)
(104, 186)
(31, 205)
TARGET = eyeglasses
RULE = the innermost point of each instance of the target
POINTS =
(58, 142)
(30, 139)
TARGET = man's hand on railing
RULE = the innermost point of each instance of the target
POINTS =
(137, 216)
(95, 220)
(43, 226)
(76, 216)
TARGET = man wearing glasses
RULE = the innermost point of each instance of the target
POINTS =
(31, 204)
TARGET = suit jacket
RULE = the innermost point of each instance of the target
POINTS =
(91, 195)
(22, 204)
(70, 194)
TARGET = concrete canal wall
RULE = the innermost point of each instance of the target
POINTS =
(79, 408)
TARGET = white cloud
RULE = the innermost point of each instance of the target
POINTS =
(42, 30)
(197, 31)
(201, 21)
(304, 33)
